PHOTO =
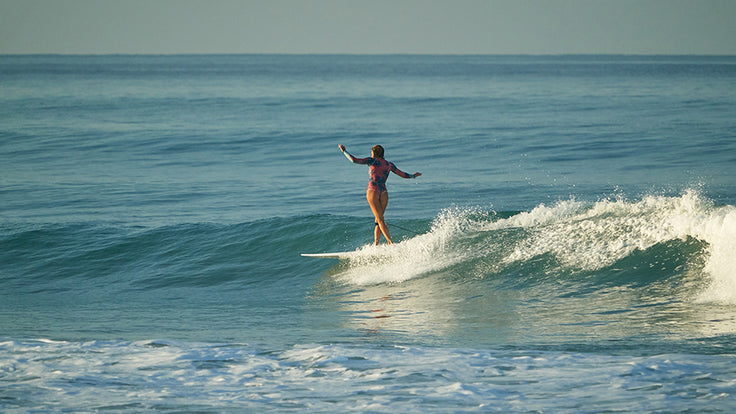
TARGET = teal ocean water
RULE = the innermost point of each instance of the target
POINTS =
(569, 248)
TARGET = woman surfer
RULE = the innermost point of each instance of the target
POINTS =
(377, 194)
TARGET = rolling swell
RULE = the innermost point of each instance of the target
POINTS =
(200, 254)
(681, 244)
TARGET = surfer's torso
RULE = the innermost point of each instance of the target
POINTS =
(378, 171)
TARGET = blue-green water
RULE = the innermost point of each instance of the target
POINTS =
(570, 246)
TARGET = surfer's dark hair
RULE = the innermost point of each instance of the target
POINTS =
(378, 151)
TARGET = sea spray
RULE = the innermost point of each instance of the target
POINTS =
(591, 237)
(422, 254)
(716, 226)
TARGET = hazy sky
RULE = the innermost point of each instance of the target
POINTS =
(369, 26)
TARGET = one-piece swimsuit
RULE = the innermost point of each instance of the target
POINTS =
(379, 171)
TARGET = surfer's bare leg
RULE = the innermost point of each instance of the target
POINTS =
(376, 233)
(378, 202)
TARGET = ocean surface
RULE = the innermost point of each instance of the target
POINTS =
(569, 248)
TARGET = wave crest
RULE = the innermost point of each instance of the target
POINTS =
(574, 236)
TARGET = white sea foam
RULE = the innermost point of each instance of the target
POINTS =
(175, 376)
(580, 236)
(592, 237)
(718, 229)
(410, 258)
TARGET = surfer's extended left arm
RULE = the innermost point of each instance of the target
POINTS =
(402, 174)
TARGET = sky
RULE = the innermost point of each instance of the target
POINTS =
(699, 27)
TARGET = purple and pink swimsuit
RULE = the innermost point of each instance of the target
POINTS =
(379, 171)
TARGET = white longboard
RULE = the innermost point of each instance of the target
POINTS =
(337, 255)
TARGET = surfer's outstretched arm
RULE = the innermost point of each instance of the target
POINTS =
(402, 174)
(353, 159)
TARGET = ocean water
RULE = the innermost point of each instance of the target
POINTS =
(569, 248)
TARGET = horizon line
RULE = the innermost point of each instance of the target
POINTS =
(364, 54)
